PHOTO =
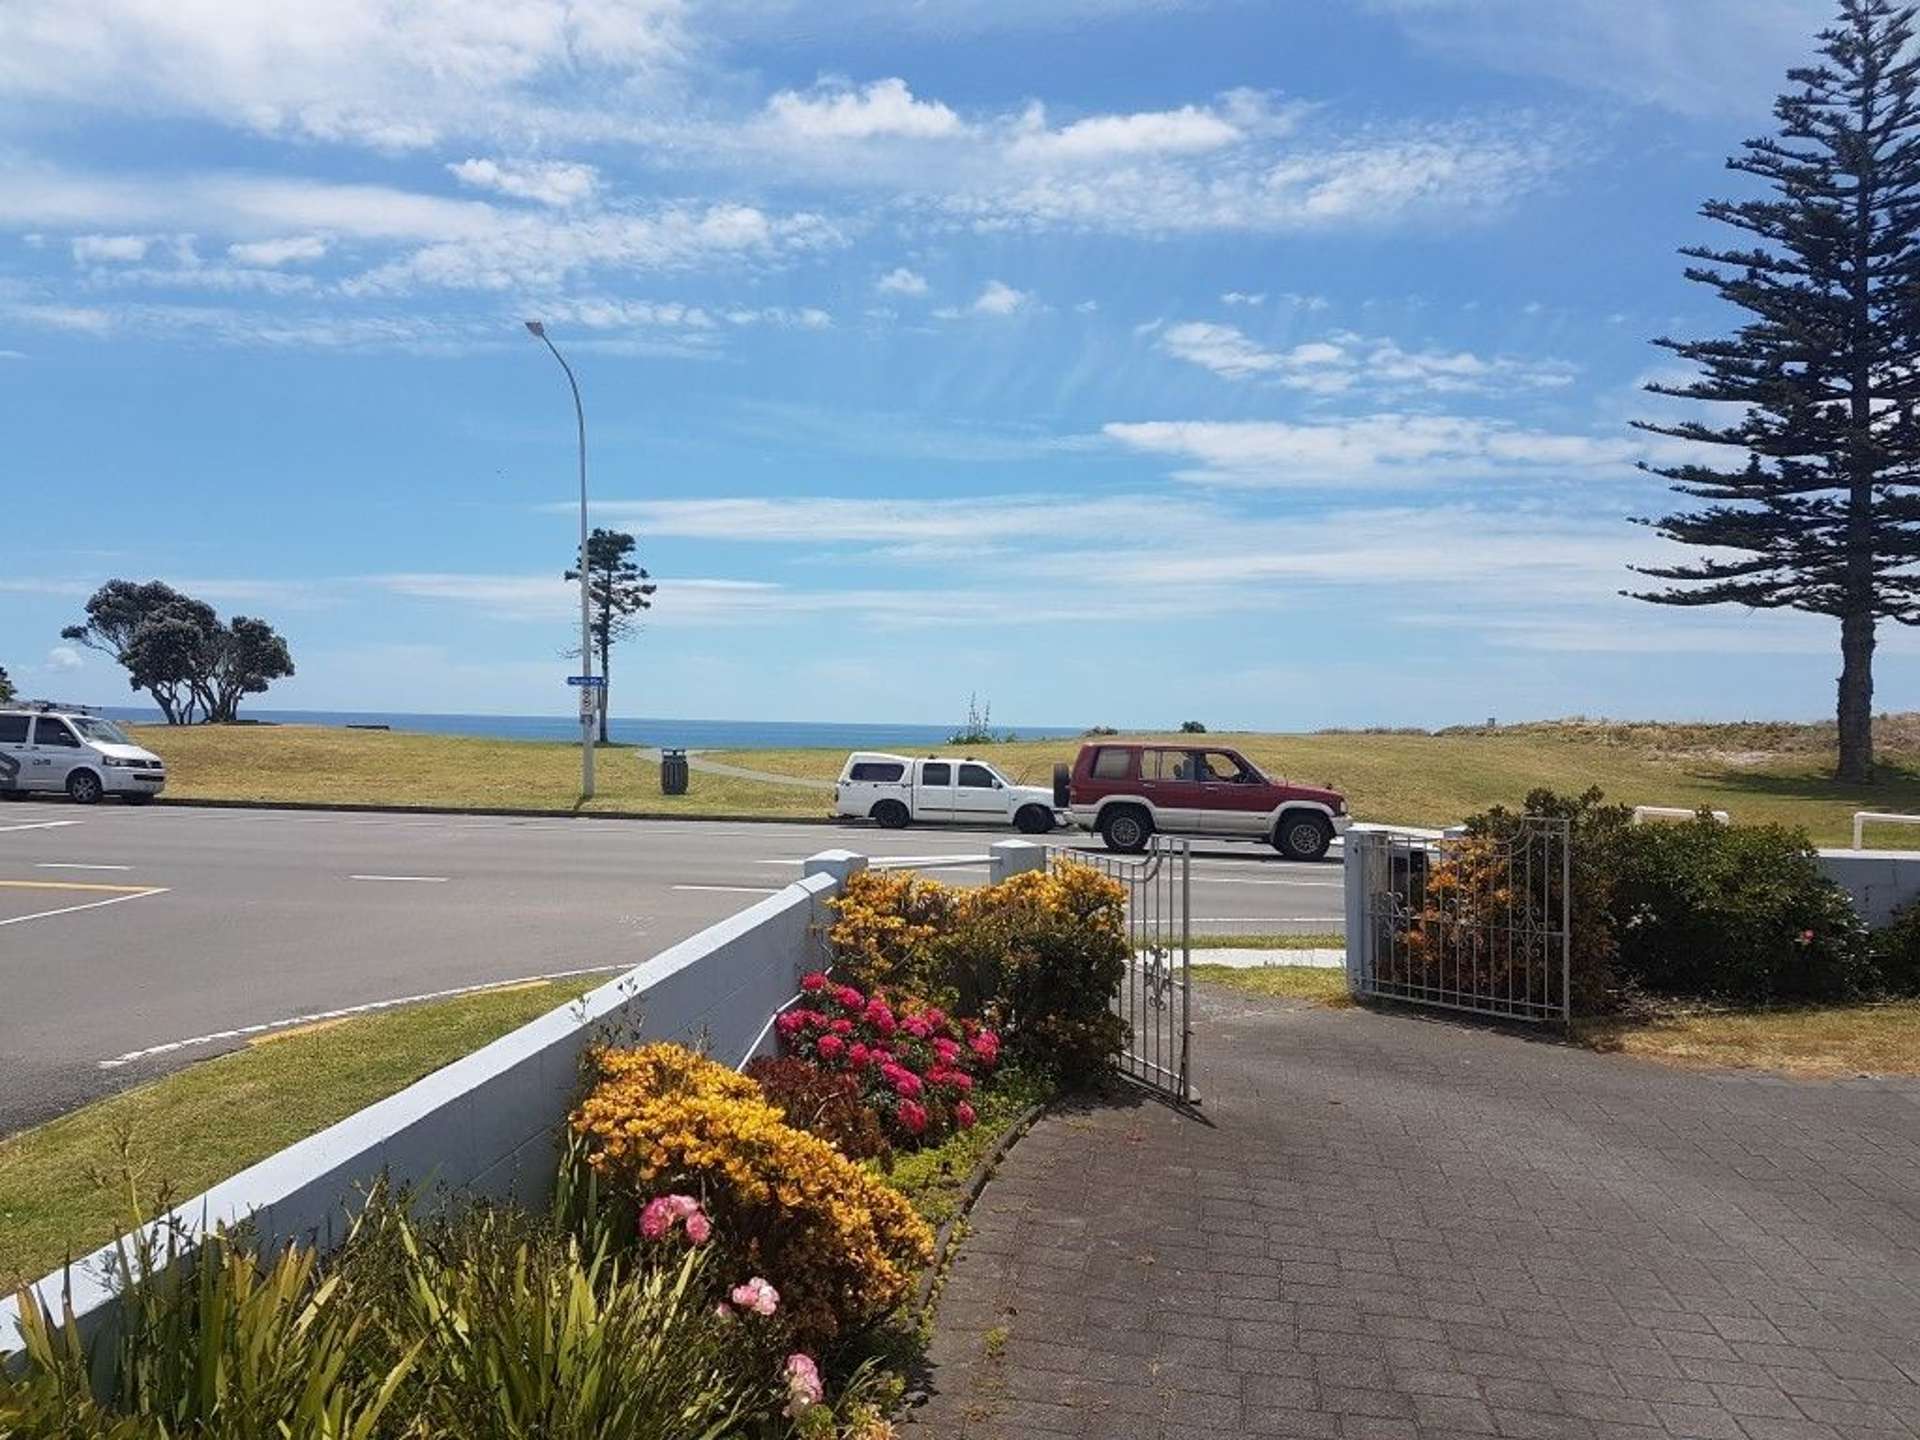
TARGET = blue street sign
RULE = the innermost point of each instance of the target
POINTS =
(593, 682)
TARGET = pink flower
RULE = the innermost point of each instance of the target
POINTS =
(906, 1084)
(987, 1046)
(831, 1047)
(858, 1056)
(913, 1118)
(814, 982)
(945, 1049)
(880, 1017)
(936, 1017)
(963, 1113)
(789, 1024)
(699, 1228)
(850, 997)
(961, 1081)
(758, 1296)
(917, 1026)
(842, 1026)
(663, 1212)
(804, 1390)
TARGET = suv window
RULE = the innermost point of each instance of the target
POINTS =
(13, 729)
(48, 731)
(877, 770)
(936, 774)
(1219, 765)
(978, 776)
(1111, 762)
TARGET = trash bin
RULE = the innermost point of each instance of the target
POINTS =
(673, 772)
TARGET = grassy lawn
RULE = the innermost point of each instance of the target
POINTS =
(317, 763)
(1270, 942)
(1283, 982)
(1831, 1041)
(62, 1190)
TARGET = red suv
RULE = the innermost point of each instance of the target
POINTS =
(1126, 791)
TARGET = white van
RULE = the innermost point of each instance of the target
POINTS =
(45, 750)
(892, 791)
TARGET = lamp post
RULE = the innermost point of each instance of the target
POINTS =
(587, 698)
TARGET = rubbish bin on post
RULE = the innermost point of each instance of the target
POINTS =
(673, 772)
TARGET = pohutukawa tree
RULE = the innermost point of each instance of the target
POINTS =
(617, 591)
(1821, 510)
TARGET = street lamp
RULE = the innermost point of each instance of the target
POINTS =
(587, 697)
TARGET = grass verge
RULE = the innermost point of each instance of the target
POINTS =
(1327, 941)
(62, 1192)
(1286, 982)
(1828, 1041)
(935, 1179)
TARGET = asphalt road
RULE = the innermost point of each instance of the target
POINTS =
(134, 941)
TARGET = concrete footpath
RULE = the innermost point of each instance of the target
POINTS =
(1386, 1227)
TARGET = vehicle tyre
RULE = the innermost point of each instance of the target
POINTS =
(1127, 829)
(1033, 820)
(137, 797)
(891, 815)
(84, 787)
(1302, 835)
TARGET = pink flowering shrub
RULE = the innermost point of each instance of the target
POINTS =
(915, 1066)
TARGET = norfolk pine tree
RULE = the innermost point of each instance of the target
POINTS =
(617, 590)
(1823, 514)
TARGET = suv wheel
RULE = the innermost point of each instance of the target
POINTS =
(891, 815)
(1127, 830)
(1302, 835)
(84, 787)
(1032, 820)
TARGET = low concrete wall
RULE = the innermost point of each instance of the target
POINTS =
(1880, 881)
(488, 1122)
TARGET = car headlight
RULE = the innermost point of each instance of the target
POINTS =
(115, 763)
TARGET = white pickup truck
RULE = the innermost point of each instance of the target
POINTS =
(893, 791)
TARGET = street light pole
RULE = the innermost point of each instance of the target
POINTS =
(588, 700)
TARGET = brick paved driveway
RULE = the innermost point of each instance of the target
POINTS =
(1395, 1227)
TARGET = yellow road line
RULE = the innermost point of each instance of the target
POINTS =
(78, 885)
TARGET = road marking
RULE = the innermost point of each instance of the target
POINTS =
(1264, 919)
(90, 905)
(732, 889)
(72, 885)
(405, 879)
(525, 982)
(70, 865)
(1219, 880)
(37, 825)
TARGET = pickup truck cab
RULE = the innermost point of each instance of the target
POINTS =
(45, 750)
(894, 791)
(1128, 790)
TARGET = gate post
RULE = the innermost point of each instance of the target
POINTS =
(1007, 858)
(1354, 865)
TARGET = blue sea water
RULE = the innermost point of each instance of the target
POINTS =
(638, 730)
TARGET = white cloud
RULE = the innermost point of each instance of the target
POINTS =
(1186, 131)
(1343, 361)
(885, 109)
(395, 74)
(287, 250)
(996, 299)
(554, 182)
(1241, 297)
(1087, 307)
(62, 659)
(1406, 450)
(95, 249)
(901, 281)
(79, 319)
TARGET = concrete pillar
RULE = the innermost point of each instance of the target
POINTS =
(837, 863)
(1007, 858)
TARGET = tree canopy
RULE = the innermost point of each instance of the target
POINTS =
(177, 649)
(617, 591)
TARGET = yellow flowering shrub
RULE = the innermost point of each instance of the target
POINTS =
(884, 920)
(841, 1247)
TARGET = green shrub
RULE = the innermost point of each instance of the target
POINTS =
(1895, 950)
(1740, 912)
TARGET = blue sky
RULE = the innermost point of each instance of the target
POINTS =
(1124, 361)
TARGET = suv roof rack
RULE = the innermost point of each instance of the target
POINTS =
(47, 706)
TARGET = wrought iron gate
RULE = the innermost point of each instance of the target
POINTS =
(1153, 998)
(1467, 922)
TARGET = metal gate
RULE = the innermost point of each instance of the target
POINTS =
(1467, 922)
(1153, 998)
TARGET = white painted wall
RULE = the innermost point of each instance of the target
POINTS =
(1880, 881)
(488, 1122)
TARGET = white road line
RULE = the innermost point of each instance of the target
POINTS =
(1265, 919)
(72, 865)
(319, 1015)
(37, 825)
(732, 889)
(405, 879)
(1204, 879)
(90, 905)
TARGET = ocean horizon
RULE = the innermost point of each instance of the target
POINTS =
(627, 730)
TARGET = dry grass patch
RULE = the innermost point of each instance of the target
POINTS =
(1319, 984)
(1827, 1041)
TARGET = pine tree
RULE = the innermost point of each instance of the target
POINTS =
(1824, 513)
(617, 590)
